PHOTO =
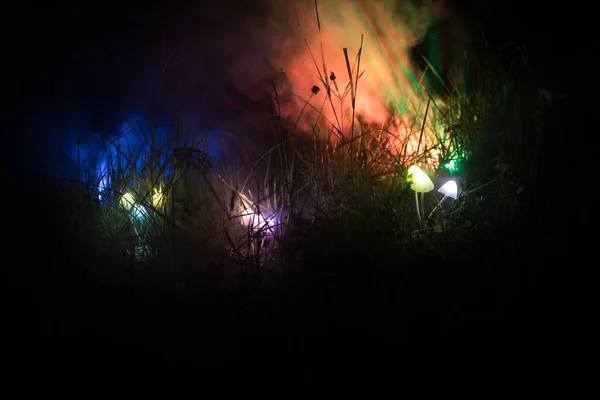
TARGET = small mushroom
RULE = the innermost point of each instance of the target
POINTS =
(420, 183)
(448, 189)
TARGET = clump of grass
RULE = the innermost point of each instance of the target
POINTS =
(333, 201)
(358, 190)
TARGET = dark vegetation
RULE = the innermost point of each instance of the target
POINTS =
(359, 277)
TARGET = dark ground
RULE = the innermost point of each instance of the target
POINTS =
(63, 326)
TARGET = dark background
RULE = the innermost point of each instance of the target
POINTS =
(103, 56)
(61, 59)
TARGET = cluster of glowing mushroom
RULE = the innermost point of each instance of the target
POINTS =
(421, 183)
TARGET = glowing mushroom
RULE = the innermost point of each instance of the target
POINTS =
(139, 212)
(247, 217)
(256, 221)
(157, 198)
(127, 201)
(448, 189)
(420, 183)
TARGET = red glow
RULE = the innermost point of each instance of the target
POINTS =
(389, 88)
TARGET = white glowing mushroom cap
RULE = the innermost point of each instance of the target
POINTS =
(449, 189)
(421, 183)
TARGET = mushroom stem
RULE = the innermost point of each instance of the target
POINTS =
(417, 203)
(436, 207)
(423, 204)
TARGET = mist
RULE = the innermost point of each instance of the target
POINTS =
(227, 66)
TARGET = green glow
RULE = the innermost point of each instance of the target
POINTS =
(450, 166)
(455, 162)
